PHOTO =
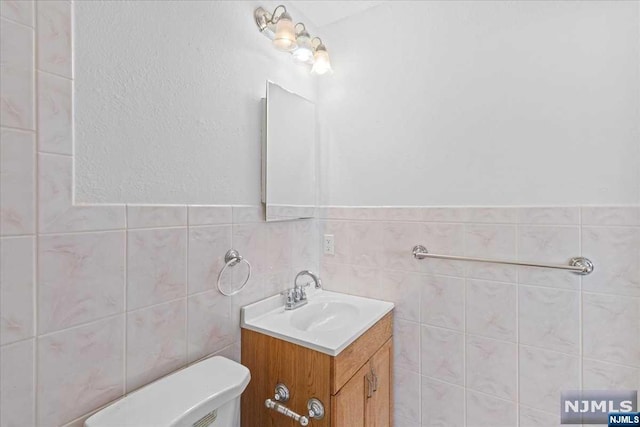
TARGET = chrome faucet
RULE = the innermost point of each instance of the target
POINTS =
(297, 296)
(316, 279)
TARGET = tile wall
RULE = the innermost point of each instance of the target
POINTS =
(482, 345)
(99, 300)
(96, 301)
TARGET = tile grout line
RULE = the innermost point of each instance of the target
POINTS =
(126, 302)
(517, 270)
(464, 326)
(581, 308)
(186, 291)
(36, 293)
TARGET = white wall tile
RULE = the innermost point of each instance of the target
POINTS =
(397, 240)
(305, 252)
(443, 300)
(54, 37)
(80, 369)
(403, 290)
(442, 214)
(342, 245)
(407, 387)
(253, 291)
(278, 246)
(543, 375)
(444, 239)
(156, 266)
(16, 75)
(492, 367)
(55, 114)
(406, 345)
(442, 354)
(393, 214)
(491, 271)
(615, 252)
(491, 309)
(81, 278)
(491, 241)
(335, 277)
(365, 243)
(549, 318)
(491, 215)
(551, 244)
(442, 404)
(207, 248)
(551, 215)
(17, 280)
(611, 215)
(57, 214)
(211, 324)
(352, 279)
(598, 375)
(251, 241)
(278, 281)
(18, 10)
(483, 411)
(610, 329)
(156, 342)
(209, 215)
(152, 216)
(247, 214)
(18, 183)
(530, 417)
(17, 384)
(547, 277)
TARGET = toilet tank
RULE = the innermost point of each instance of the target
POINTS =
(204, 394)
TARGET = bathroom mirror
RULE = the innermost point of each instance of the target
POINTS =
(288, 155)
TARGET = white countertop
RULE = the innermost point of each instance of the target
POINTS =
(328, 323)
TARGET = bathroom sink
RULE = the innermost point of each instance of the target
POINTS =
(328, 323)
(324, 316)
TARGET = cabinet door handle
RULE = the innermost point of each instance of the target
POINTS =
(374, 379)
(369, 386)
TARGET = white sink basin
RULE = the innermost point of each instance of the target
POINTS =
(324, 316)
(328, 323)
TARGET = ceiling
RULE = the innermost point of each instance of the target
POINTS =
(325, 12)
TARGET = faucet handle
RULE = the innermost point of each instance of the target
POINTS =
(289, 294)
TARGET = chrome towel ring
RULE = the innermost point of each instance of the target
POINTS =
(232, 258)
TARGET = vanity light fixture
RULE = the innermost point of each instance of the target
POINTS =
(295, 39)
(321, 63)
(285, 37)
(304, 52)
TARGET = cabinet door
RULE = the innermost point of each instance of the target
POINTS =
(349, 406)
(379, 412)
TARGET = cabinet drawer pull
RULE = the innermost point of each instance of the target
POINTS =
(369, 386)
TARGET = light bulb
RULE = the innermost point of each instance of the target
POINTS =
(321, 64)
(285, 38)
(304, 52)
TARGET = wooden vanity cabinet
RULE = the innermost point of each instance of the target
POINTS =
(356, 386)
(366, 399)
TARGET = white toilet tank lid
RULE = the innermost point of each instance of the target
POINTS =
(178, 399)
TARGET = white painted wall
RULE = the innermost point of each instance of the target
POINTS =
(168, 100)
(483, 103)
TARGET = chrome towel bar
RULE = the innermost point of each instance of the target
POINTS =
(577, 265)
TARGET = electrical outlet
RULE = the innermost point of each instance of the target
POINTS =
(329, 244)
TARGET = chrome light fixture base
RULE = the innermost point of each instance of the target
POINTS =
(262, 18)
(297, 38)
